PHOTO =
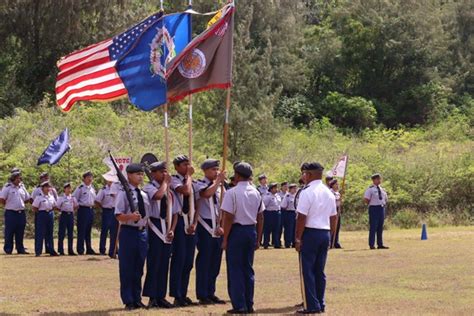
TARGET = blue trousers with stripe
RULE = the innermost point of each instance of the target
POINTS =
(157, 265)
(132, 255)
(85, 219)
(66, 224)
(314, 250)
(182, 260)
(15, 223)
(289, 224)
(376, 220)
(107, 221)
(44, 231)
(240, 274)
(271, 228)
(208, 262)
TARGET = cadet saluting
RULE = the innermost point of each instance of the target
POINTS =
(13, 197)
(85, 196)
(242, 208)
(209, 233)
(159, 244)
(133, 238)
(376, 197)
(316, 210)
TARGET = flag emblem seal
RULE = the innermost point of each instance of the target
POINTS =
(162, 45)
(193, 65)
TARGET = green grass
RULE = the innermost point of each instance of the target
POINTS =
(413, 277)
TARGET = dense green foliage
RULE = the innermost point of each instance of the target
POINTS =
(391, 82)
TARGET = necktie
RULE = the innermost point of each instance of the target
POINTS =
(163, 206)
(185, 201)
(141, 204)
(380, 192)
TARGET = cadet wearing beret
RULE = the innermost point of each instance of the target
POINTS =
(44, 205)
(316, 210)
(159, 240)
(14, 196)
(262, 187)
(288, 215)
(67, 205)
(272, 217)
(242, 209)
(376, 198)
(133, 237)
(209, 232)
(184, 242)
(85, 195)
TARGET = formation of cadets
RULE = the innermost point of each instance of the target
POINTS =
(247, 217)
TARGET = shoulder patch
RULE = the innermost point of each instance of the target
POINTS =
(372, 186)
(81, 186)
(8, 185)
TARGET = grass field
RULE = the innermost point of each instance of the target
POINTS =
(435, 276)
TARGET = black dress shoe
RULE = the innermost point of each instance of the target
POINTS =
(305, 311)
(72, 253)
(205, 301)
(163, 303)
(251, 310)
(189, 301)
(180, 302)
(91, 252)
(236, 311)
(337, 246)
(24, 252)
(53, 254)
(153, 303)
(216, 300)
(37, 255)
(383, 247)
(139, 305)
(130, 307)
(61, 253)
(372, 247)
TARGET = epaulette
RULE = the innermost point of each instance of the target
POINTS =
(82, 185)
(201, 180)
(175, 176)
(8, 185)
(372, 186)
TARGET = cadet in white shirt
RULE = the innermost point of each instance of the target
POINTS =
(14, 196)
(288, 215)
(242, 209)
(262, 187)
(37, 191)
(85, 196)
(44, 205)
(209, 232)
(66, 204)
(376, 198)
(316, 219)
(272, 217)
(105, 199)
(159, 240)
(133, 237)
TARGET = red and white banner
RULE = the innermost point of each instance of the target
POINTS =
(339, 169)
(122, 163)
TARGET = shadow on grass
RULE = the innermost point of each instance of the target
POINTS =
(280, 310)
(101, 312)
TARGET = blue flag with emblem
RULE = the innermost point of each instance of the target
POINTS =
(58, 147)
(142, 67)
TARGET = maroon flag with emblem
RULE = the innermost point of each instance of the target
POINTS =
(206, 62)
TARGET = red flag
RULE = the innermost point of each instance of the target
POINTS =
(206, 63)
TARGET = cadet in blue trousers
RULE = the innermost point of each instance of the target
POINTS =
(85, 196)
(209, 232)
(43, 205)
(242, 209)
(159, 240)
(184, 242)
(315, 221)
(376, 198)
(133, 238)
(14, 196)
(288, 215)
(105, 199)
(67, 205)
(272, 217)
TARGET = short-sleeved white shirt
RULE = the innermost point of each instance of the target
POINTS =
(14, 196)
(44, 202)
(318, 203)
(244, 202)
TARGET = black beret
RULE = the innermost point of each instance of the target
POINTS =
(272, 185)
(180, 159)
(210, 163)
(44, 175)
(158, 166)
(244, 169)
(262, 176)
(312, 166)
(375, 176)
(293, 185)
(87, 174)
(67, 184)
(134, 168)
(44, 184)
(284, 183)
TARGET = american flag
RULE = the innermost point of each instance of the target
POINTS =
(89, 74)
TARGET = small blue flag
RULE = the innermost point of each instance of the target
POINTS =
(56, 149)
(142, 68)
